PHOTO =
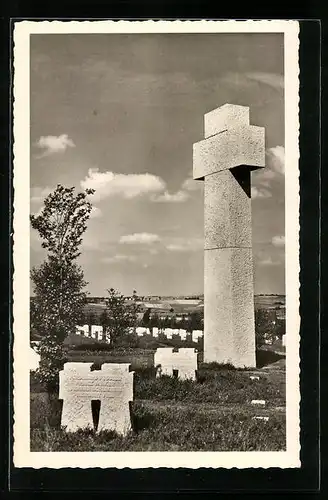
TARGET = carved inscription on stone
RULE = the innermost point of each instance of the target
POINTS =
(112, 385)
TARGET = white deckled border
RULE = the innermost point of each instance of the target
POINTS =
(21, 258)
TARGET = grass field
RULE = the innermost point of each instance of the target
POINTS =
(187, 306)
(212, 413)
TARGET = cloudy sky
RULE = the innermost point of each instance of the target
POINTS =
(120, 113)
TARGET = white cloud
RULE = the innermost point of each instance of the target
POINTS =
(166, 197)
(129, 186)
(185, 245)
(260, 192)
(278, 241)
(140, 238)
(174, 247)
(36, 213)
(109, 184)
(268, 261)
(95, 240)
(90, 241)
(52, 144)
(246, 80)
(35, 241)
(95, 213)
(119, 258)
(274, 80)
(276, 159)
(191, 185)
(38, 194)
(263, 176)
(274, 170)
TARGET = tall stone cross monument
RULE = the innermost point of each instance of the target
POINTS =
(224, 160)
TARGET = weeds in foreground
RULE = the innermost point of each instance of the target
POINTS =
(164, 430)
(212, 413)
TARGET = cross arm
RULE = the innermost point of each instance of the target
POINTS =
(230, 148)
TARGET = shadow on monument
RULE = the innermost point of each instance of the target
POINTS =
(242, 174)
(95, 408)
(243, 177)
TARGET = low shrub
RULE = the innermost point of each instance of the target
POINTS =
(148, 342)
(45, 410)
(146, 372)
(222, 387)
(128, 340)
(36, 384)
(216, 366)
(138, 358)
(96, 346)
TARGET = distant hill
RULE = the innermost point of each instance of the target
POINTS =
(181, 305)
(269, 301)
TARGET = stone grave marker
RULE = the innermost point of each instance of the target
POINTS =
(117, 391)
(97, 332)
(184, 360)
(168, 333)
(112, 385)
(260, 402)
(183, 334)
(82, 330)
(155, 331)
(141, 330)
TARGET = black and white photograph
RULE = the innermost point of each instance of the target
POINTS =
(156, 306)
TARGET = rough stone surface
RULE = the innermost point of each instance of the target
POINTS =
(227, 210)
(117, 384)
(112, 385)
(231, 149)
(184, 360)
(229, 307)
(75, 393)
(226, 117)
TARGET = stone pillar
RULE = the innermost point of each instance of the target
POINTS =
(224, 160)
